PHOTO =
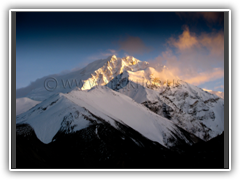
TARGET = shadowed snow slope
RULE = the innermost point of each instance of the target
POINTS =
(78, 109)
(24, 104)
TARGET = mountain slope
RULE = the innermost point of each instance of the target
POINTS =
(189, 107)
(79, 109)
(24, 104)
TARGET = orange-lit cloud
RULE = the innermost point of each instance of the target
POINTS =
(219, 87)
(185, 40)
(197, 57)
(206, 76)
(214, 42)
(133, 45)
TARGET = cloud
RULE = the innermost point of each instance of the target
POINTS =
(206, 76)
(213, 42)
(219, 87)
(133, 45)
(22, 92)
(102, 55)
(112, 51)
(195, 59)
(109, 52)
(185, 40)
(210, 17)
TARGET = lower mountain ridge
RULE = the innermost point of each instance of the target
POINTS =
(112, 148)
(81, 130)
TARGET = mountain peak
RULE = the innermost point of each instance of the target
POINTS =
(112, 58)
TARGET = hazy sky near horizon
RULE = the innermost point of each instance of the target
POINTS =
(189, 44)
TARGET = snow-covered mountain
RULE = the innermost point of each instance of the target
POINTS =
(99, 72)
(188, 106)
(24, 104)
(124, 99)
(78, 109)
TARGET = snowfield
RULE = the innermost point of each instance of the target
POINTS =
(24, 104)
(47, 117)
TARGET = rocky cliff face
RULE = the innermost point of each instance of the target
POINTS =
(188, 106)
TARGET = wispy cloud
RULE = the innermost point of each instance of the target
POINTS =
(205, 76)
(197, 59)
(102, 55)
(217, 87)
(133, 45)
(213, 42)
(113, 51)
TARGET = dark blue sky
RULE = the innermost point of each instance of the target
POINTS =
(52, 42)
